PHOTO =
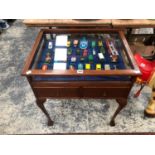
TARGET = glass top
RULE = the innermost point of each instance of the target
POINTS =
(79, 52)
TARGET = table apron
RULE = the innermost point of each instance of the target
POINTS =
(81, 92)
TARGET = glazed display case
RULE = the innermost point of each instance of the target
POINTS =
(81, 63)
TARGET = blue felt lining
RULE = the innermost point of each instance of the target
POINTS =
(82, 78)
(120, 64)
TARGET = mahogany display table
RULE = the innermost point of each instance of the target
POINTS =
(110, 76)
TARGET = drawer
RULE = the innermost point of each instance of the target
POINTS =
(105, 92)
(57, 92)
(81, 92)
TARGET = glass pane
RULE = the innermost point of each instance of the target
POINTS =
(96, 51)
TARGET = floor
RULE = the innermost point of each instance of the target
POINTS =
(20, 115)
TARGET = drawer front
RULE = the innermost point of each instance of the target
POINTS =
(105, 92)
(57, 92)
(81, 92)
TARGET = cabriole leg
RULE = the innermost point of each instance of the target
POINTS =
(122, 103)
(40, 103)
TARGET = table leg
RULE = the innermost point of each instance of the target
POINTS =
(122, 103)
(40, 103)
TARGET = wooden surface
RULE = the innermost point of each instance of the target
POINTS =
(67, 22)
(102, 22)
(134, 23)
